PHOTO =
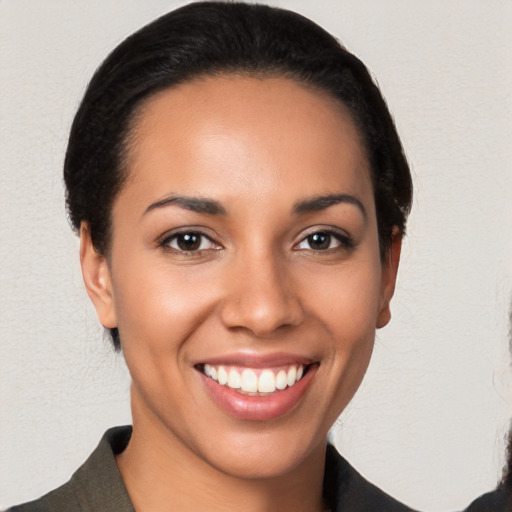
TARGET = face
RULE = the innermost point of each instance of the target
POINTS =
(244, 273)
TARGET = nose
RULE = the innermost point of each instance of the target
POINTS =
(260, 297)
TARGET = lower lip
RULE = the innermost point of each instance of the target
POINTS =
(259, 408)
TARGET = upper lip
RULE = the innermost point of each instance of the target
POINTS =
(250, 360)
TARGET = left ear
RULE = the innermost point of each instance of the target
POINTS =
(388, 277)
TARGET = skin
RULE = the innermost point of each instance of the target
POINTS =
(256, 286)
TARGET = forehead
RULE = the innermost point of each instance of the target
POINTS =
(219, 132)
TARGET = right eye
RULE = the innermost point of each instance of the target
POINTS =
(189, 241)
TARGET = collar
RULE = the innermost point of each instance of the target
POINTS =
(97, 484)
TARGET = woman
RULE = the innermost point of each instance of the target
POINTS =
(240, 193)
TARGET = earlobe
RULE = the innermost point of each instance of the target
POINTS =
(388, 278)
(97, 279)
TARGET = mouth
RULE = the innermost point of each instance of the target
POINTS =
(255, 381)
(258, 390)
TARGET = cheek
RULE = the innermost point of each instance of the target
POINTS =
(352, 324)
(348, 297)
(159, 306)
(347, 303)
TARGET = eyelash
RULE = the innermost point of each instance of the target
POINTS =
(344, 242)
(166, 242)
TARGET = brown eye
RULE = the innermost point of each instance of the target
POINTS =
(319, 241)
(189, 241)
(324, 241)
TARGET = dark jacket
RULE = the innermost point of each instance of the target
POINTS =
(97, 485)
(499, 500)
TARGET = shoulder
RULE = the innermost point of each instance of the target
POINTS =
(346, 490)
(96, 485)
(60, 499)
(498, 501)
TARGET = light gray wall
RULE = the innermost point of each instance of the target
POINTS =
(429, 421)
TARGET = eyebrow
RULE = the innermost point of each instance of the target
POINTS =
(212, 207)
(320, 203)
(195, 204)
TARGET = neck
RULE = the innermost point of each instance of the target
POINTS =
(162, 474)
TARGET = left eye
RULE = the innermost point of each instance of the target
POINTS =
(322, 241)
(189, 242)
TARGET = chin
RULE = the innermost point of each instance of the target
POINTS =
(268, 455)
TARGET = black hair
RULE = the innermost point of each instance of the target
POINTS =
(506, 481)
(214, 38)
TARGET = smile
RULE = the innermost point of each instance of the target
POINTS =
(259, 390)
(255, 382)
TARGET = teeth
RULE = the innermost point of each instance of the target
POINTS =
(234, 380)
(210, 371)
(292, 375)
(248, 381)
(281, 380)
(267, 382)
(223, 376)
